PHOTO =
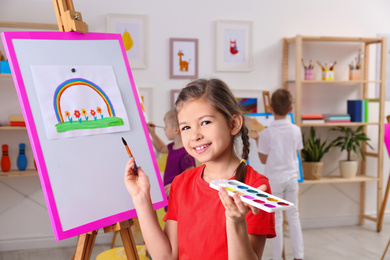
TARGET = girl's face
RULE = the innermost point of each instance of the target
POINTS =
(205, 132)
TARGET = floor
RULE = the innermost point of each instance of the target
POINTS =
(352, 242)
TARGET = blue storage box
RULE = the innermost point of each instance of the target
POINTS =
(4, 67)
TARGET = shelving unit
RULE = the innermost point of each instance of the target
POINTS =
(19, 173)
(6, 77)
(364, 84)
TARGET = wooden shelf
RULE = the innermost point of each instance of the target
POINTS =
(338, 179)
(17, 173)
(335, 81)
(361, 86)
(334, 39)
(6, 75)
(12, 128)
(36, 26)
(337, 124)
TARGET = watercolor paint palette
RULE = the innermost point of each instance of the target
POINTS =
(252, 196)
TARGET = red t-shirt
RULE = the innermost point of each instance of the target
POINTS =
(200, 215)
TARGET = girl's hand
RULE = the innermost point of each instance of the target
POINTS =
(152, 128)
(253, 134)
(136, 184)
(167, 189)
(236, 210)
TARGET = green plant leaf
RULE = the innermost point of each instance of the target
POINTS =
(313, 149)
(351, 140)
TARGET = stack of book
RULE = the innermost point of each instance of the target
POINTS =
(312, 119)
(16, 121)
(337, 118)
(358, 110)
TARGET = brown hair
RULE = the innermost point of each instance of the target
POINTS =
(281, 101)
(171, 117)
(217, 93)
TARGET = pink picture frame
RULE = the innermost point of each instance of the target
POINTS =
(174, 96)
(183, 58)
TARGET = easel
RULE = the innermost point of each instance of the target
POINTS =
(383, 207)
(384, 202)
(71, 21)
(67, 18)
(86, 241)
(267, 102)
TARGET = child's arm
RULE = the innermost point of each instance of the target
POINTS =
(161, 244)
(241, 245)
(156, 141)
(263, 158)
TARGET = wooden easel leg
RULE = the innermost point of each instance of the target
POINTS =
(85, 246)
(129, 244)
(113, 239)
(124, 228)
(383, 207)
(384, 253)
(285, 223)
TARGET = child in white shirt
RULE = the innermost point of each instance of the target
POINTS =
(278, 146)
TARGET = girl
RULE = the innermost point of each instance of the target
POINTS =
(202, 223)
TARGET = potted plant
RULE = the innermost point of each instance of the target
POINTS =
(351, 141)
(312, 153)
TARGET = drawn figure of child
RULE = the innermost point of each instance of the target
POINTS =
(202, 223)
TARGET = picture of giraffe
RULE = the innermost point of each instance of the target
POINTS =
(183, 64)
(183, 58)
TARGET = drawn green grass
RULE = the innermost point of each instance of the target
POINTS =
(90, 124)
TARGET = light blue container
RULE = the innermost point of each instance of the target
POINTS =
(4, 67)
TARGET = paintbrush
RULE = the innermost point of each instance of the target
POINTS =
(130, 154)
(153, 125)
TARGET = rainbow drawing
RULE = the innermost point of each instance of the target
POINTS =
(83, 82)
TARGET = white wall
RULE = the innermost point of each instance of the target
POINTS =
(24, 222)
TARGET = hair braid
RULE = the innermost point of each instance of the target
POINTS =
(241, 169)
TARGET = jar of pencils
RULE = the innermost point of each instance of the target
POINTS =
(328, 75)
(327, 72)
(355, 74)
(308, 70)
(309, 74)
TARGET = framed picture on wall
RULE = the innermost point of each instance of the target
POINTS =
(183, 58)
(251, 100)
(174, 95)
(134, 31)
(234, 45)
(379, 67)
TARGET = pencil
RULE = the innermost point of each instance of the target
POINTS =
(320, 65)
(130, 154)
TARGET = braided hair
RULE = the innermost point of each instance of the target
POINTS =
(217, 93)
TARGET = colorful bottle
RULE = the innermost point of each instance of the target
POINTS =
(22, 160)
(5, 161)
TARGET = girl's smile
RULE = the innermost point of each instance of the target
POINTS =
(200, 149)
